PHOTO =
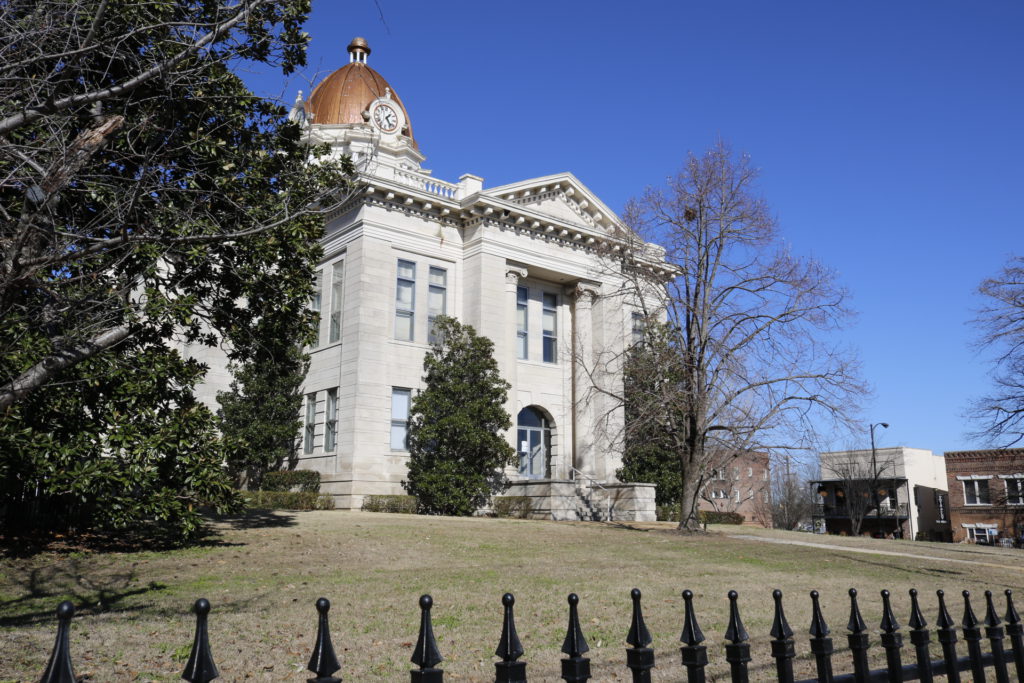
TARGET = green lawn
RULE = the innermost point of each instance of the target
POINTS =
(263, 574)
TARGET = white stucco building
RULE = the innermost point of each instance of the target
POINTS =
(531, 265)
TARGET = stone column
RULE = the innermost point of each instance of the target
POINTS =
(585, 458)
(510, 362)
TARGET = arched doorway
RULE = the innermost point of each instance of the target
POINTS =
(533, 443)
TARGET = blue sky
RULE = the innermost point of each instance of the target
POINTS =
(890, 136)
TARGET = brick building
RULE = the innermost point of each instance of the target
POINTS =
(986, 495)
(740, 483)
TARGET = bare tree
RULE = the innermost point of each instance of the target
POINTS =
(742, 362)
(792, 500)
(1000, 414)
(863, 486)
(144, 191)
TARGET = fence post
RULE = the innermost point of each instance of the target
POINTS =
(857, 638)
(920, 637)
(639, 658)
(1015, 630)
(426, 655)
(821, 644)
(995, 634)
(59, 668)
(508, 670)
(737, 651)
(891, 641)
(323, 662)
(782, 642)
(947, 637)
(972, 635)
(200, 667)
(576, 667)
(695, 655)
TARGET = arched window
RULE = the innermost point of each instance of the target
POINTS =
(533, 436)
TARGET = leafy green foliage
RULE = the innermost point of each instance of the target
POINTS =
(129, 449)
(150, 201)
(649, 455)
(394, 504)
(720, 517)
(287, 500)
(456, 450)
(286, 480)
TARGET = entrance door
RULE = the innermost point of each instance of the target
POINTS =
(533, 435)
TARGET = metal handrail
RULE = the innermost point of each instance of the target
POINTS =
(573, 472)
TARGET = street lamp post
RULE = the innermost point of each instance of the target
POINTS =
(874, 469)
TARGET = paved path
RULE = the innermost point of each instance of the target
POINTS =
(892, 553)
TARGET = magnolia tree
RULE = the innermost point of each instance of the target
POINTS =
(148, 200)
(741, 355)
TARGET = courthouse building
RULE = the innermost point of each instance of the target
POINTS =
(536, 266)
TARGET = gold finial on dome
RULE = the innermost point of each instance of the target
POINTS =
(358, 50)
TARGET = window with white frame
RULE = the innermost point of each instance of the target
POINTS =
(309, 431)
(405, 300)
(437, 299)
(638, 327)
(982, 535)
(976, 492)
(522, 323)
(401, 399)
(549, 329)
(337, 283)
(1015, 491)
(315, 302)
(331, 420)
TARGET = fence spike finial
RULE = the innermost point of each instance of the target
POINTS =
(889, 623)
(917, 620)
(972, 636)
(200, 667)
(638, 635)
(735, 632)
(780, 627)
(944, 621)
(575, 667)
(509, 647)
(323, 661)
(692, 635)
(59, 668)
(991, 618)
(969, 620)
(819, 629)
(1011, 612)
(574, 644)
(426, 655)
(856, 623)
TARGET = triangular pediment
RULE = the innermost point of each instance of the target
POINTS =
(564, 198)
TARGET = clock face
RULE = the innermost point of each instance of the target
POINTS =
(386, 118)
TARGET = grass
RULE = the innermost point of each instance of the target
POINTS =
(134, 620)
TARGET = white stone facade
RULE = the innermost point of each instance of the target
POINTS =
(531, 265)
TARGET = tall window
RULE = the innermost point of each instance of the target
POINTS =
(405, 298)
(522, 327)
(337, 281)
(400, 400)
(638, 327)
(1015, 491)
(550, 328)
(437, 299)
(314, 305)
(331, 420)
(310, 426)
(976, 492)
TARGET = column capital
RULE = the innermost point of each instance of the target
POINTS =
(583, 292)
(513, 274)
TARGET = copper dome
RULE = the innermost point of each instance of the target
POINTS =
(343, 96)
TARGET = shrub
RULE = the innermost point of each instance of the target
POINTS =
(400, 504)
(304, 481)
(717, 517)
(667, 513)
(518, 507)
(287, 500)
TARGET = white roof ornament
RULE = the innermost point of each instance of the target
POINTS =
(387, 93)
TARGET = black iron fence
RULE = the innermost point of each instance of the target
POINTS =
(640, 656)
